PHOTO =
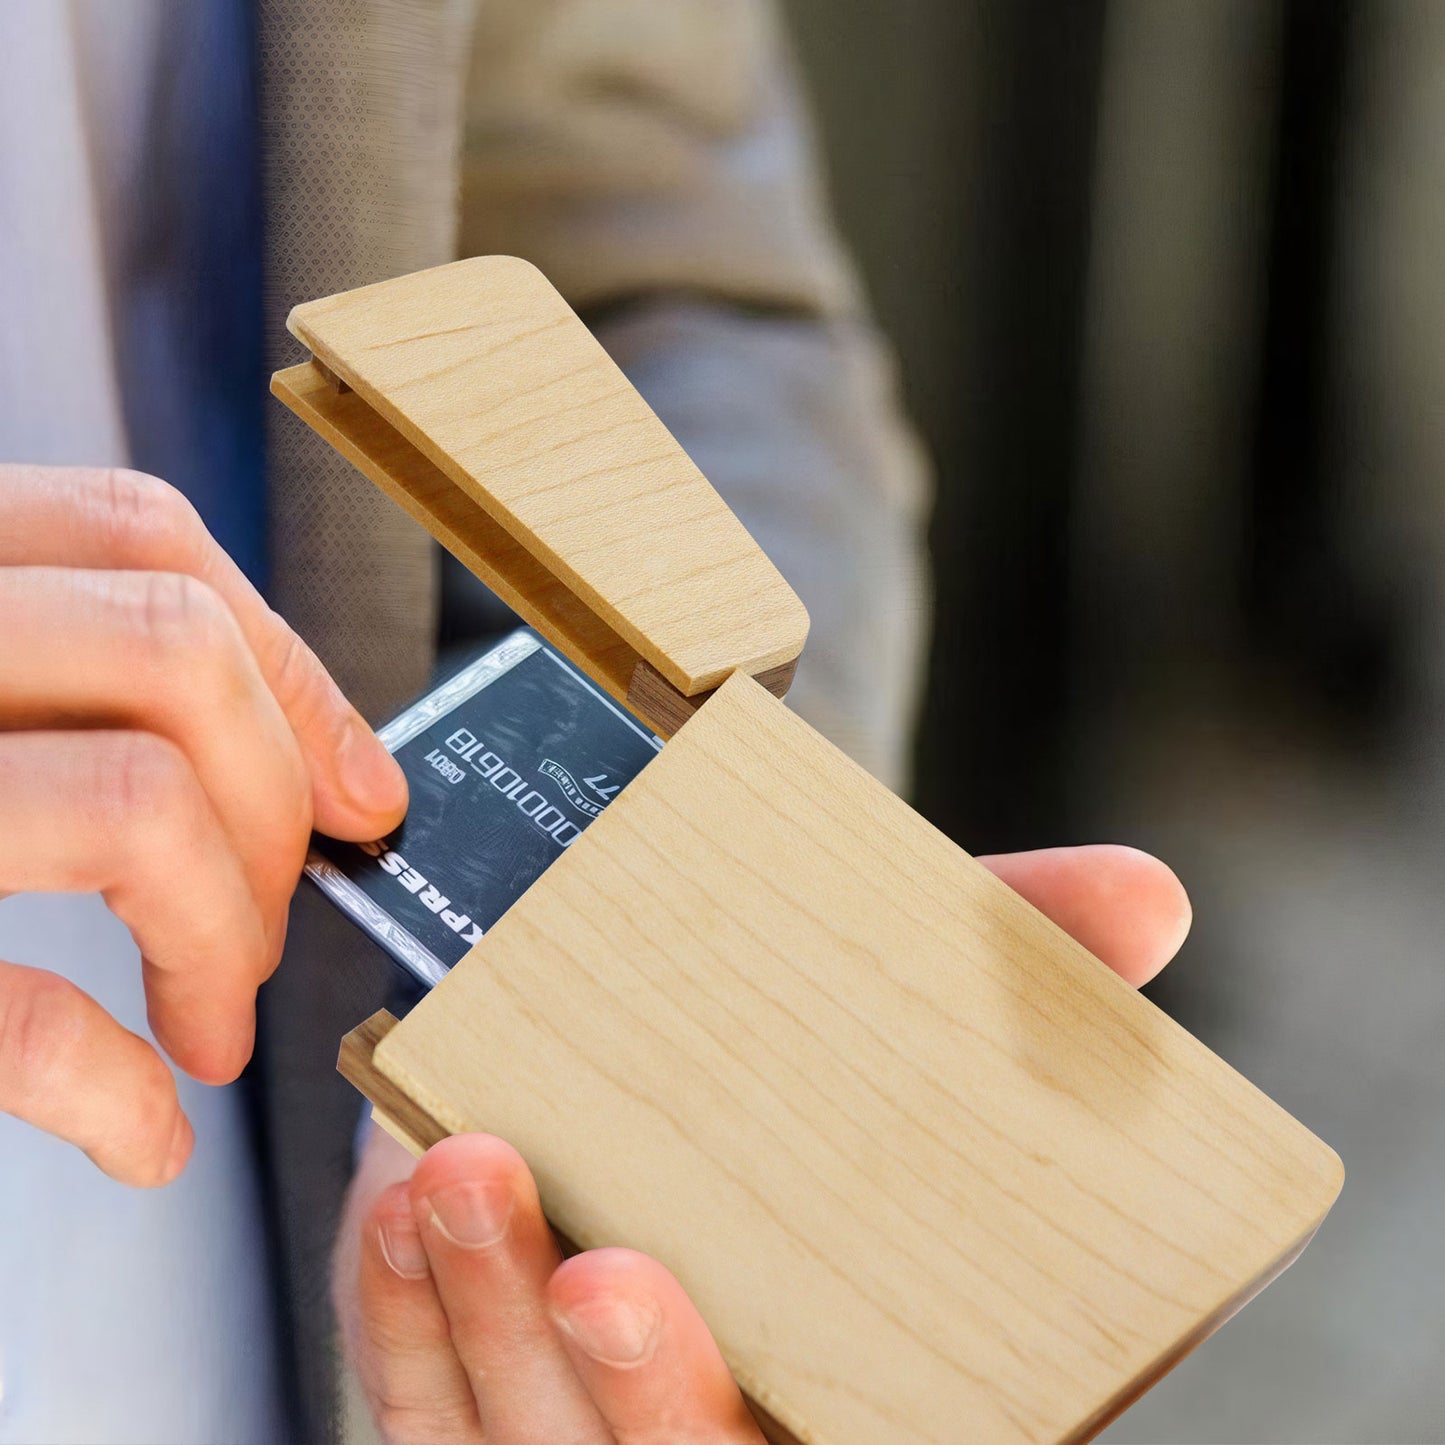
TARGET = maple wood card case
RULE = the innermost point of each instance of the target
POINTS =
(929, 1169)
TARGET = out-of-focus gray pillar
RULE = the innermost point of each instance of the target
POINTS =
(1390, 356)
(1176, 278)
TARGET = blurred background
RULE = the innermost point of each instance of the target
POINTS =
(1166, 281)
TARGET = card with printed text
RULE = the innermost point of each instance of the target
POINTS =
(508, 761)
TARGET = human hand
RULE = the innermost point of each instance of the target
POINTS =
(166, 740)
(463, 1322)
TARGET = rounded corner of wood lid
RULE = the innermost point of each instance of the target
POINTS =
(800, 625)
(295, 322)
(765, 629)
(786, 634)
(516, 267)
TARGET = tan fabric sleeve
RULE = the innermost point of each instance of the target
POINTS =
(656, 152)
(631, 145)
(796, 424)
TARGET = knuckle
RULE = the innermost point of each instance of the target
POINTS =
(394, 1331)
(393, 1340)
(177, 613)
(182, 638)
(298, 677)
(148, 520)
(396, 1423)
(300, 686)
(402, 1422)
(303, 688)
(294, 668)
(41, 1031)
(141, 776)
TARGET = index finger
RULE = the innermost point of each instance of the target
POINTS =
(117, 520)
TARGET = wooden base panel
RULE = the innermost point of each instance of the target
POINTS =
(930, 1171)
(415, 1129)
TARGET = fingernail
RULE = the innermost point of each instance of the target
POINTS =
(369, 773)
(183, 1139)
(617, 1332)
(402, 1248)
(473, 1215)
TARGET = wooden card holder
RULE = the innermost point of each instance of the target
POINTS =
(930, 1170)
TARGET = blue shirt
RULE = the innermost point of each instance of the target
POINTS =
(188, 327)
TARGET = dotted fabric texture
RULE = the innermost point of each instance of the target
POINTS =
(360, 104)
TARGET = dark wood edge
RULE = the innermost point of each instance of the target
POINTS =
(335, 382)
(659, 701)
(356, 1065)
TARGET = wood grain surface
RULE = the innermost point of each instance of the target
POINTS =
(929, 1169)
(469, 532)
(385, 457)
(417, 1131)
(483, 369)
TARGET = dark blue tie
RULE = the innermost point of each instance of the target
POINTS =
(188, 327)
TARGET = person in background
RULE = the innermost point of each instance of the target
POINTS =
(173, 178)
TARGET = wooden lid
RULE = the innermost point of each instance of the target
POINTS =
(474, 395)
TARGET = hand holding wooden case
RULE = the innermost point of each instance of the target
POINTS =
(930, 1170)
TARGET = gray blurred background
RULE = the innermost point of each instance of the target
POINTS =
(1166, 279)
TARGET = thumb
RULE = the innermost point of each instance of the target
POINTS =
(1124, 906)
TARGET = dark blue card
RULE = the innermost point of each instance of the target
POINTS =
(508, 761)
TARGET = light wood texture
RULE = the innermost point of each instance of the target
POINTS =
(930, 1170)
(467, 531)
(481, 544)
(416, 1130)
(482, 371)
